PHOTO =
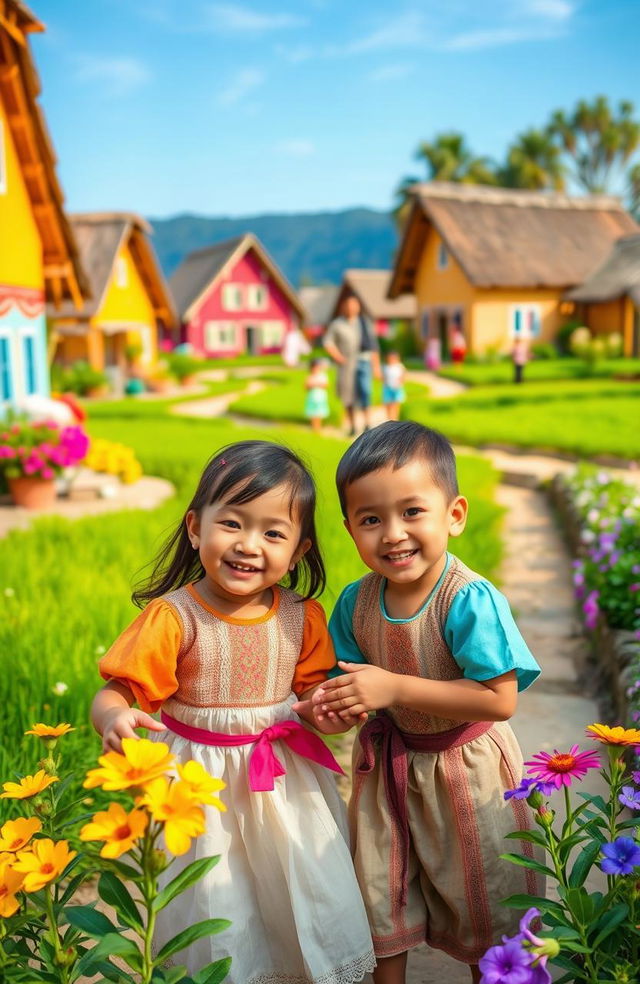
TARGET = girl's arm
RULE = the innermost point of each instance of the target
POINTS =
(370, 688)
(114, 718)
(334, 725)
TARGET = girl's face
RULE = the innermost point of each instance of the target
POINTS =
(246, 548)
(400, 521)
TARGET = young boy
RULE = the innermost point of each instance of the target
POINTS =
(433, 649)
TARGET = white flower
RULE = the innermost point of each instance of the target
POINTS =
(593, 516)
(100, 650)
(587, 536)
(60, 688)
(9, 592)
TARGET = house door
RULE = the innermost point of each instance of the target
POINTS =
(253, 339)
(443, 335)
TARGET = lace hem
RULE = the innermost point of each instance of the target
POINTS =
(347, 974)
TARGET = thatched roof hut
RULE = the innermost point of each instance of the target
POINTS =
(618, 276)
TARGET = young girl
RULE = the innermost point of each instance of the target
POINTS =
(224, 650)
(433, 648)
(393, 390)
(316, 406)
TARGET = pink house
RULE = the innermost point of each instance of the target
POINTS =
(233, 299)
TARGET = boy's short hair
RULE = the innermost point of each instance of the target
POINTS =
(396, 443)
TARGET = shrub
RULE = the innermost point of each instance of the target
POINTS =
(543, 350)
(564, 334)
(182, 365)
(80, 378)
(594, 349)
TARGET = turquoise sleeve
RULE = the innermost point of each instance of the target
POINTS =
(483, 637)
(341, 629)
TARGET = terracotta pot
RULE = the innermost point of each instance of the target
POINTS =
(32, 492)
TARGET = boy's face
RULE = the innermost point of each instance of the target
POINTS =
(400, 521)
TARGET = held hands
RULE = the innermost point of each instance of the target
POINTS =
(361, 688)
(121, 722)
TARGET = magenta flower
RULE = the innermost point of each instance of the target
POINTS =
(507, 963)
(559, 769)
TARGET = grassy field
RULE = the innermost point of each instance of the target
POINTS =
(65, 586)
(538, 369)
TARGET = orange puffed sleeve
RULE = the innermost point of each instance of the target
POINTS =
(145, 656)
(317, 655)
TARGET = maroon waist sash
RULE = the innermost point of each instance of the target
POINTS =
(394, 744)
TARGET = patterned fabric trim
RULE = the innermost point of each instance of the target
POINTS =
(347, 974)
(390, 946)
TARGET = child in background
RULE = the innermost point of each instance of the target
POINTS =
(433, 648)
(519, 357)
(392, 389)
(223, 649)
(316, 406)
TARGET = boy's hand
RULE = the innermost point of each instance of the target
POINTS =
(121, 723)
(361, 688)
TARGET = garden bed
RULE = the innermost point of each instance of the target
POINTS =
(601, 520)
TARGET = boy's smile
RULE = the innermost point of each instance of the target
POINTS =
(400, 521)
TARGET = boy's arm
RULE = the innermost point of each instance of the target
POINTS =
(369, 688)
(114, 718)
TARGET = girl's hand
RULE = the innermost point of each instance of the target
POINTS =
(121, 724)
(362, 688)
(328, 724)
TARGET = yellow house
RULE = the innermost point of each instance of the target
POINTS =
(39, 259)
(609, 300)
(130, 305)
(496, 263)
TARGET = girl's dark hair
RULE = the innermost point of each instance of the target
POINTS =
(394, 444)
(251, 468)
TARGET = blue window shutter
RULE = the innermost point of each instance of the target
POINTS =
(517, 321)
(29, 364)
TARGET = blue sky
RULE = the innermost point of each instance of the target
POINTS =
(225, 108)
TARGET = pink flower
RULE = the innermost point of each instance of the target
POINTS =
(48, 472)
(561, 767)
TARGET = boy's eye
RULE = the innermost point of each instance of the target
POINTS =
(369, 521)
(413, 511)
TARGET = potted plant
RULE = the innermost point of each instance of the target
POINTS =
(32, 454)
(183, 366)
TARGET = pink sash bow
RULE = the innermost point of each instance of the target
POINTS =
(264, 764)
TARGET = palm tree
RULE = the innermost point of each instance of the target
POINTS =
(447, 158)
(533, 161)
(597, 140)
(633, 192)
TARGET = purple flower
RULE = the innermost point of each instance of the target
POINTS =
(630, 797)
(636, 776)
(591, 609)
(634, 587)
(530, 785)
(621, 856)
(508, 963)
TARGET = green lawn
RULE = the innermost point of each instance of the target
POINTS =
(65, 586)
(538, 369)
(133, 407)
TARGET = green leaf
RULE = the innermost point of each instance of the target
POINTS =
(608, 922)
(213, 973)
(533, 836)
(113, 945)
(596, 800)
(526, 901)
(582, 906)
(86, 918)
(112, 973)
(112, 891)
(208, 927)
(529, 863)
(188, 875)
(567, 844)
(583, 864)
(71, 888)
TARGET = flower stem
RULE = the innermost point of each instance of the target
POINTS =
(54, 936)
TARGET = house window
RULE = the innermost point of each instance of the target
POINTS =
(220, 335)
(257, 297)
(29, 355)
(272, 334)
(525, 321)
(232, 297)
(6, 390)
(3, 162)
(443, 256)
(121, 272)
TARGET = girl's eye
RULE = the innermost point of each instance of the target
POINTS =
(370, 521)
(231, 523)
(275, 535)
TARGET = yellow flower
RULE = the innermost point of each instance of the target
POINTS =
(14, 834)
(614, 736)
(10, 883)
(48, 731)
(173, 805)
(141, 762)
(202, 785)
(45, 862)
(28, 786)
(117, 828)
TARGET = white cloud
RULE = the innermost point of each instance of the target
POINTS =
(295, 54)
(234, 18)
(558, 10)
(407, 30)
(119, 76)
(296, 147)
(244, 81)
(388, 73)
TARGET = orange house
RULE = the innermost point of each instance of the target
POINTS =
(496, 263)
(609, 300)
(39, 259)
(130, 303)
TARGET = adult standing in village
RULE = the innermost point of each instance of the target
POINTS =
(350, 340)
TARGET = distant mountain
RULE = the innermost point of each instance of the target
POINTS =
(313, 248)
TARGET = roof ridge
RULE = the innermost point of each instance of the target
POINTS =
(494, 195)
(233, 240)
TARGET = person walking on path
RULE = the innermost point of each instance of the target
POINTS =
(519, 357)
(350, 340)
